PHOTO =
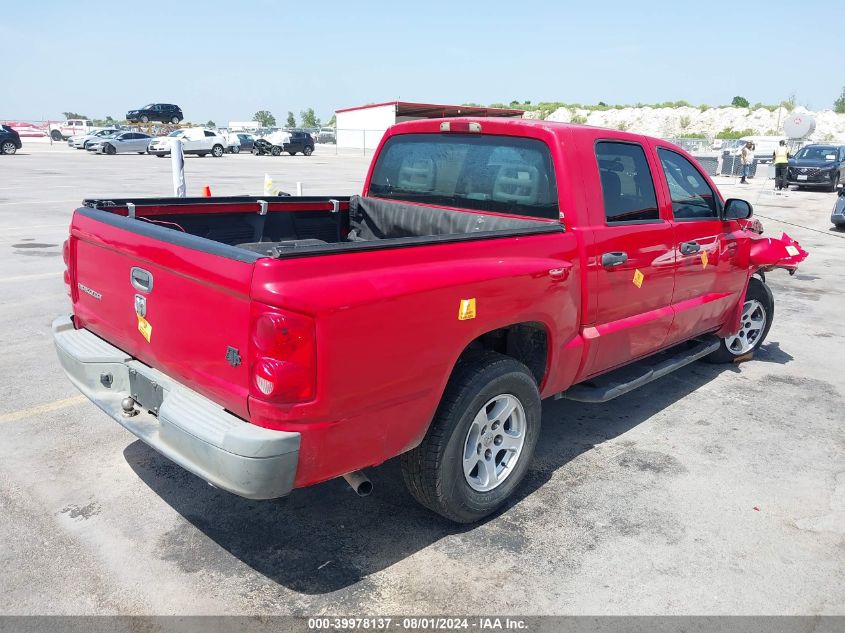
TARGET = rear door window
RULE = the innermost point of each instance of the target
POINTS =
(626, 183)
(489, 173)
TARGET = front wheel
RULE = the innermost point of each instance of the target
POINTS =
(758, 311)
(834, 183)
(8, 148)
(145, 119)
(276, 151)
(56, 135)
(480, 442)
(235, 149)
(110, 150)
(217, 151)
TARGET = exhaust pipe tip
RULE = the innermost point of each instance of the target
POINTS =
(359, 482)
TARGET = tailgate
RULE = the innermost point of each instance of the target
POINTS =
(174, 301)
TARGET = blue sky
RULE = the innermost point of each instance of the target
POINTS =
(225, 60)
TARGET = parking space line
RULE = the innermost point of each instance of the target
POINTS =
(30, 277)
(14, 416)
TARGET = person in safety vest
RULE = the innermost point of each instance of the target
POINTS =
(781, 159)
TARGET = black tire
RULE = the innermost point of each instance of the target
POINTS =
(109, 149)
(8, 148)
(161, 155)
(145, 119)
(56, 135)
(218, 150)
(174, 120)
(834, 183)
(276, 151)
(757, 291)
(308, 151)
(292, 153)
(433, 471)
(235, 149)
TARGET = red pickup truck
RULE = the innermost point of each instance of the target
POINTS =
(271, 344)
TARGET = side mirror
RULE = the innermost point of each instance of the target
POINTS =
(736, 209)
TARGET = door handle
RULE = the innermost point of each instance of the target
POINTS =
(613, 259)
(690, 248)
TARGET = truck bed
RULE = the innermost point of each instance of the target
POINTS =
(247, 228)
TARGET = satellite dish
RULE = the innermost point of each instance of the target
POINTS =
(799, 125)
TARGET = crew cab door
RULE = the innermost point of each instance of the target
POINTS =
(631, 260)
(708, 277)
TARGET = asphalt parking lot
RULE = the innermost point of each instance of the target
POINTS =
(716, 490)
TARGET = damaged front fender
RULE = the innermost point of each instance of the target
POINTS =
(767, 253)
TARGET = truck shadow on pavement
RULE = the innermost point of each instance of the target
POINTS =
(324, 538)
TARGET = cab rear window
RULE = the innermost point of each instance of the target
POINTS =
(488, 173)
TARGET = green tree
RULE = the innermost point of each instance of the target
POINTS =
(332, 122)
(309, 119)
(265, 118)
(839, 104)
(210, 123)
(291, 122)
(739, 102)
(73, 115)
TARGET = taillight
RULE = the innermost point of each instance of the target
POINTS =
(284, 357)
(66, 258)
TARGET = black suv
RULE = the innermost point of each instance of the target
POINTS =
(299, 142)
(163, 112)
(10, 140)
(817, 166)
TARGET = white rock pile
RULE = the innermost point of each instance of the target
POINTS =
(673, 122)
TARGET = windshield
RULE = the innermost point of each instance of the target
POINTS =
(817, 153)
(487, 173)
(177, 133)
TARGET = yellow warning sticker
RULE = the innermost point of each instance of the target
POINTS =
(792, 250)
(466, 309)
(638, 278)
(144, 328)
(704, 259)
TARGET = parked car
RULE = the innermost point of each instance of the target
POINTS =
(247, 142)
(71, 127)
(81, 141)
(10, 140)
(838, 215)
(327, 135)
(817, 166)
(488, 263)
(121, 143)
(163, 112)
(195, 140)
(290, 142)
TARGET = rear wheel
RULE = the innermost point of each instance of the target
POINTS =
(308, 151)
(217, 151)
(758, 311)
(8, 148)
(480, 442)
(174, 120)
(276, 151)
